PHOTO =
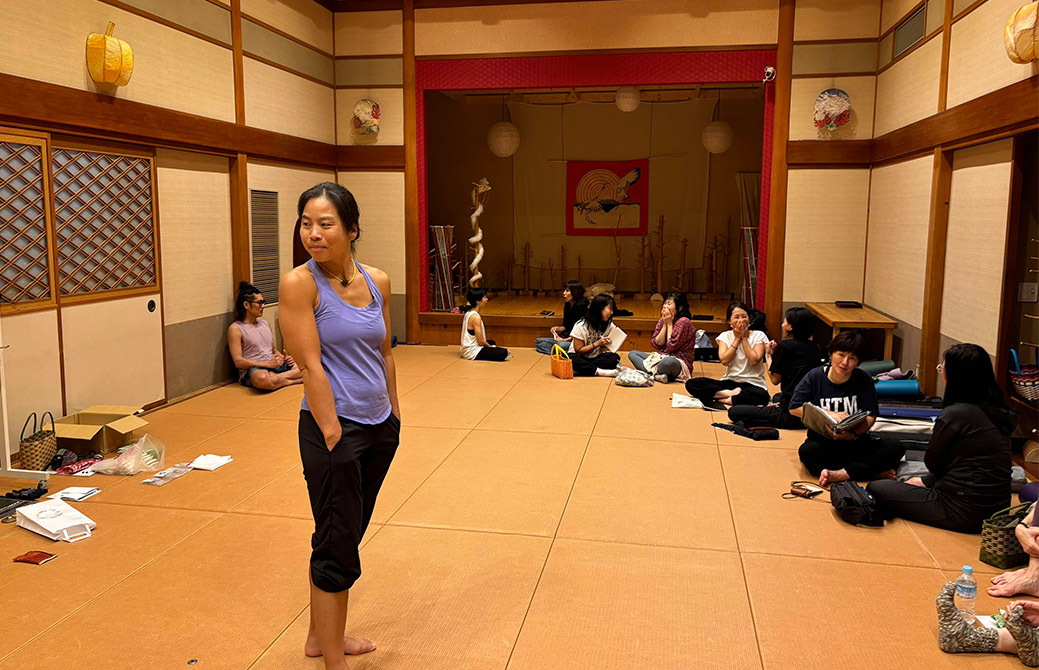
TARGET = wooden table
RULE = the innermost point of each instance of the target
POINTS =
(840, 318)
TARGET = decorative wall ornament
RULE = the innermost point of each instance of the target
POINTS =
(1020, 37)
(717, 137)
(503, 139)
(832, 109)
(480, 191)
(366, 117)
(109, 59)
(627, 98)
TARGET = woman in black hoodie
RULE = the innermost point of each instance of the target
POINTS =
(968, 455)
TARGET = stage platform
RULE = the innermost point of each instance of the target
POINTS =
(516, 321)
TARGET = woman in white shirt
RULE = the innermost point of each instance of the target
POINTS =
(591, 339)
(742, 351)
(475, 345)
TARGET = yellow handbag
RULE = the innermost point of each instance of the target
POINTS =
(562, 366)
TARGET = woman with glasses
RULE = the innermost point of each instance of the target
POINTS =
(968, 455)
(251, 341)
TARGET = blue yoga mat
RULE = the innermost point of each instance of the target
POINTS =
(898, 388)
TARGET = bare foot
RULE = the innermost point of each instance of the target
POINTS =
(830, 476)
(887, 474)
(724, 395)
(352, 646)
(1011, 583)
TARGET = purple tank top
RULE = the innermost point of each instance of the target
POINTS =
(351, 351)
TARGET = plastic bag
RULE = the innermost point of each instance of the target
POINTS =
(632, 377)
(153, 452)
(130, 462)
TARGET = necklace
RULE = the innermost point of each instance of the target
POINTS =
(342, 280)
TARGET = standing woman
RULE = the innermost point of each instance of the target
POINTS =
(335, 316)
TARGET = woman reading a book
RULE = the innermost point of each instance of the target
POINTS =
(593, 356)
(968, 455)
(836, 392)
(742, 351)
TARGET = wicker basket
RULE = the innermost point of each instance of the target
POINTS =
(1026, 382)
(37, 451)
(562, 366)
(999, 545)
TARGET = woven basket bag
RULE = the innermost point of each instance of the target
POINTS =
(562, 366)
(37, 451)
(999, 545)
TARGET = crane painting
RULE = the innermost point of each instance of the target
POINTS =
(607, 198)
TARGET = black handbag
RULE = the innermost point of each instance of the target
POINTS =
(854, 504)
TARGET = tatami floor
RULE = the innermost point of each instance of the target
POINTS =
(526, 522)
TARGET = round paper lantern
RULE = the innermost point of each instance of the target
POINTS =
(627, 98)
(503, 139)
(717, 137)
(1020, 38)
(109, 59)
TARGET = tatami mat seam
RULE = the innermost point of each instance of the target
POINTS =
(112, 586)
(739, 552)
(841, 560)
(919, 540)
(459, 529)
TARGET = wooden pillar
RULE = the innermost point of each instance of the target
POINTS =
(411, 222)
(1007, 336)
(943, 73)
(934, 273)
(241, 256)
(777, 203)
(238, 58)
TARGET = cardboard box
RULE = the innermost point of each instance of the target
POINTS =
(102, 428)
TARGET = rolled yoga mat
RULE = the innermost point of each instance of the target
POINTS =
(874, 368)
(899, 388)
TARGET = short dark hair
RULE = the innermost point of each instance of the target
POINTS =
(801, 322)
(849, 342)
(475, 295)
(246, 293)
(342, 199)
(593, 318)
(734, 305)
(681, 305)
(576, 289)
(970, 379)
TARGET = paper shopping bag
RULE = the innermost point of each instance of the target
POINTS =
(56, 520)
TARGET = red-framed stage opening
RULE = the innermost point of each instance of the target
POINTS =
(640, 69)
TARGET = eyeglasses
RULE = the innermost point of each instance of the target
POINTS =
(258, 302)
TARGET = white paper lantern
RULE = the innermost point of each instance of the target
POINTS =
(503, 139)
(717, 137)
(627, 99)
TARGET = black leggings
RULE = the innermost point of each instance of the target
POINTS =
(492, 353)
(586, 367)
(704, 388)
(343, 484)
(756, 417)
(863, 458)
(929, 506)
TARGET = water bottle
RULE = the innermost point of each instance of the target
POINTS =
(966, 593)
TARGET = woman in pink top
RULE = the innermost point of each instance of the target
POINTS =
(674, 338)
(251, 341)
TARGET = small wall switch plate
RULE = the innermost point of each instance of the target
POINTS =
(1028, 292)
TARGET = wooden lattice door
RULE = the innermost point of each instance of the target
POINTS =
(26, 252)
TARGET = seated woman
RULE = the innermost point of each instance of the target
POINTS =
(574, 309)
(251, 341)
(475, 345)
(591, 340)
(742, 351)
(675, 338)
(790, 361)
(968, 455)
(841, 389)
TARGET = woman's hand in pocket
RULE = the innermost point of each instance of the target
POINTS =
(333, 436)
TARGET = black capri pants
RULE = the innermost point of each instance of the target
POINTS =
(343, 484)
(704, 388)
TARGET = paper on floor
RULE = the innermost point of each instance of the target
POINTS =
(75, 493)
(679, 400)
(210, 462)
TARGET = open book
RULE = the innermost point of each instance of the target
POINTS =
(617, 337)
(818, 419)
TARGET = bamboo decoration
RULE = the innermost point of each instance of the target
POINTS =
(643, 257)
(680, 279)
(562, 264)
(526, 268)
(509, 267)
(578, 267)
(552, 275)
(480, 190)
(660, 255)
(541, 277)
(617, 267)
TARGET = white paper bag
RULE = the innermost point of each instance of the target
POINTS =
(56, 520)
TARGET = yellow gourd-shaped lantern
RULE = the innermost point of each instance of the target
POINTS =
(109, 59)
(1020, 37)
